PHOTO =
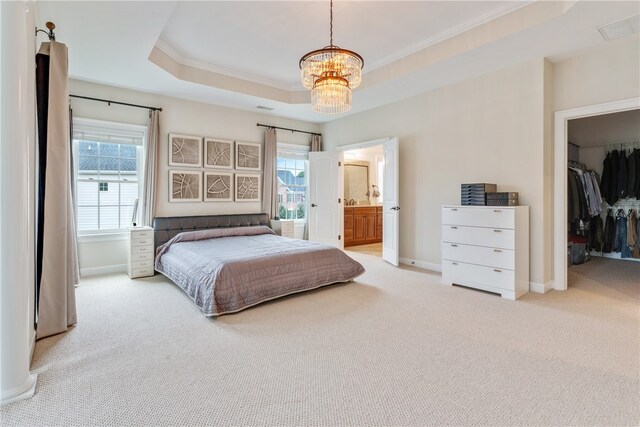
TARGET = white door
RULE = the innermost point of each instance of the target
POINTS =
(390, 203)
(325, 183)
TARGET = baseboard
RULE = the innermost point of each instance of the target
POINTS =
(541, 288)
(421, 264)
(23, 391)
(106, 269)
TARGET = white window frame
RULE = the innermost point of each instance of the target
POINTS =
(135, 131)
(297, 150)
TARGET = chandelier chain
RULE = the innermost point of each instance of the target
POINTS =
(331, 23)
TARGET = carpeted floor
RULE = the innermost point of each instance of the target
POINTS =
(394, 348)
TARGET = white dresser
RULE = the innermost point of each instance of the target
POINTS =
(140, 252)
(486, 247)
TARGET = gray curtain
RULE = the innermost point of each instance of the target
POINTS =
(316, 145)
(150, 168)
(59, 272)
(316, 142)
(270, 179)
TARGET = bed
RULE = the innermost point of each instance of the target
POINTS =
(227, 263)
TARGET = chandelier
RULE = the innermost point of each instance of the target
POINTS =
(330, 73)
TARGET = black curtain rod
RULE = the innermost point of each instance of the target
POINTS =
(292, 130)
(115, 102)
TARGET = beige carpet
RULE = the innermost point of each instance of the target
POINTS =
(395, 348)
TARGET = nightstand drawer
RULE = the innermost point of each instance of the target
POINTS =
(142, 241)
(142, 271)
(135, 250)
(141, 255)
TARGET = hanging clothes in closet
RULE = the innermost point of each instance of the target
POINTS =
(620, 175)
(622, 233)
(585, 199)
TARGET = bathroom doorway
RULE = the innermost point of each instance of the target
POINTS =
(363, 195)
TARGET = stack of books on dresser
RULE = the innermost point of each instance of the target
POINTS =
(502, 198)
(475, 194)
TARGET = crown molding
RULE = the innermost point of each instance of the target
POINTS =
(416, 47)
(450, 33)
(229, 72)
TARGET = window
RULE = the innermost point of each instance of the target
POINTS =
(292, 181)
(107, 159)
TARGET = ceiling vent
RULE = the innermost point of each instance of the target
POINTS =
(618, 29)
(263, 107)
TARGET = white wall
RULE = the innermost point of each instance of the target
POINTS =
(607, 73)
(178, 116)
(488, 129)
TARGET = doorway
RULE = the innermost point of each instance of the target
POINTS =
(363, 187)
(326, 197)
(561, 191)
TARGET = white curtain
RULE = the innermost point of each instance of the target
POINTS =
(316, 142)
(270, 179)
(150, 168)
(59, 272)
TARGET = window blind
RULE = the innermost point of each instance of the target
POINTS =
(91, 132)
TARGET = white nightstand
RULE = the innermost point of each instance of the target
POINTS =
(283, 227)
(140, 254)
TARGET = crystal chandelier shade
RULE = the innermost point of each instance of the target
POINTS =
(330, 73)
(331, 95)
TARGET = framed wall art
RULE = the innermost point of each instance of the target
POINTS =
(247, 187)
(248, 156)
(185, 150)
(218, 187)
(185, 186)
(218, 153)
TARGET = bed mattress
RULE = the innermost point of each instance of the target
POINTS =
(228, 270)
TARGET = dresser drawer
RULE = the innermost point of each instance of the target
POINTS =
(468, 274)
(479, 236)
(490, 257)
(497, 217)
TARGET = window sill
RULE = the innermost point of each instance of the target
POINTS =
(103, 237)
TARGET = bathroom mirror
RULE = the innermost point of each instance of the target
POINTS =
(356, 183)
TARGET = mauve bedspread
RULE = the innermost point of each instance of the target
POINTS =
(227, 270)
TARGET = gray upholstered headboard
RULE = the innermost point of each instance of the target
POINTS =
(167, 227)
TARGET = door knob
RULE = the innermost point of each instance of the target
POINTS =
(313, 205)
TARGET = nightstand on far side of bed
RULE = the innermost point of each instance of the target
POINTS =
(140, 252)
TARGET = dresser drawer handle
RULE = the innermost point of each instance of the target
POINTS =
(497, 231)
(454, 228)
(455, 210)
(454, 246)
(454, 263)
(497, 210)
(497, 250)
(497, 271)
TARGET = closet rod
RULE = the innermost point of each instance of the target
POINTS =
(633, 144)
(289, 129)
(116, 102)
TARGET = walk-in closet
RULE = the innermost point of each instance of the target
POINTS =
(603, 194)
